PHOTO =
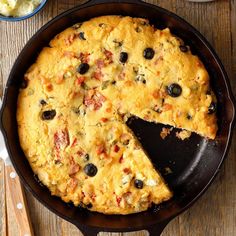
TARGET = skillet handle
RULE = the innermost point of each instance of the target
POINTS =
(90, 2)
(89, 231)
(154, 230)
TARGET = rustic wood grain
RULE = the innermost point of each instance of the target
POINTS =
(3, 222)
(213, 214)
(16, 194)
(233, 42)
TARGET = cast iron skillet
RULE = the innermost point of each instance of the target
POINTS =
(194, 162)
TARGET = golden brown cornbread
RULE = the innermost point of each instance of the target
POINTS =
(77, 96)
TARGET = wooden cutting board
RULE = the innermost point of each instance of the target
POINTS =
(217, 208)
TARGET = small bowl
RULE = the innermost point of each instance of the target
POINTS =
(19, 18)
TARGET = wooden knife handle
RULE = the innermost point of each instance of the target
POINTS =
(15, 192)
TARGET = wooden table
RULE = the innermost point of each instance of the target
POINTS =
(215, 212)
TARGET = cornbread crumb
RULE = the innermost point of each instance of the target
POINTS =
(165, 132)
(184, 134)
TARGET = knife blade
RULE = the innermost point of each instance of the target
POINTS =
(3, 151)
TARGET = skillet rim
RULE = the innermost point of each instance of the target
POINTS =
(207, 46)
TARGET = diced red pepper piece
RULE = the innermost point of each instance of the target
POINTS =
(116, 148)
(80, 80)
(103, 119)
(83, 194)
(118, 200)
(80, 152)
(127, 170)
(156, 94)
(100, 149)
(74, 142)
(108, 110)
(121, 159)
(49, 87)
(166, 107)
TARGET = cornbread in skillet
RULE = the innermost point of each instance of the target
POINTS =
(76, 98)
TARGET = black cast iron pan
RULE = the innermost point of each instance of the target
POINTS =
(194, 162)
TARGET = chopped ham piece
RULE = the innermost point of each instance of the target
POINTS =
(84, 57)
(74, 168)
(94, 100)
(109, 56)
(61, 139)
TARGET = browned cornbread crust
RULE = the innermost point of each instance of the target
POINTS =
(80, 91)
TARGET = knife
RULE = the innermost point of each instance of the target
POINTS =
(15, 193)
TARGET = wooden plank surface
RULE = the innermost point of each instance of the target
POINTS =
(3, 225)
(215, 212)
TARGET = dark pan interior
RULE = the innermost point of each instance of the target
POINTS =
(193, 162)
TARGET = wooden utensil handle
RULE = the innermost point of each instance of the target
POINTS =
(15, 192)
